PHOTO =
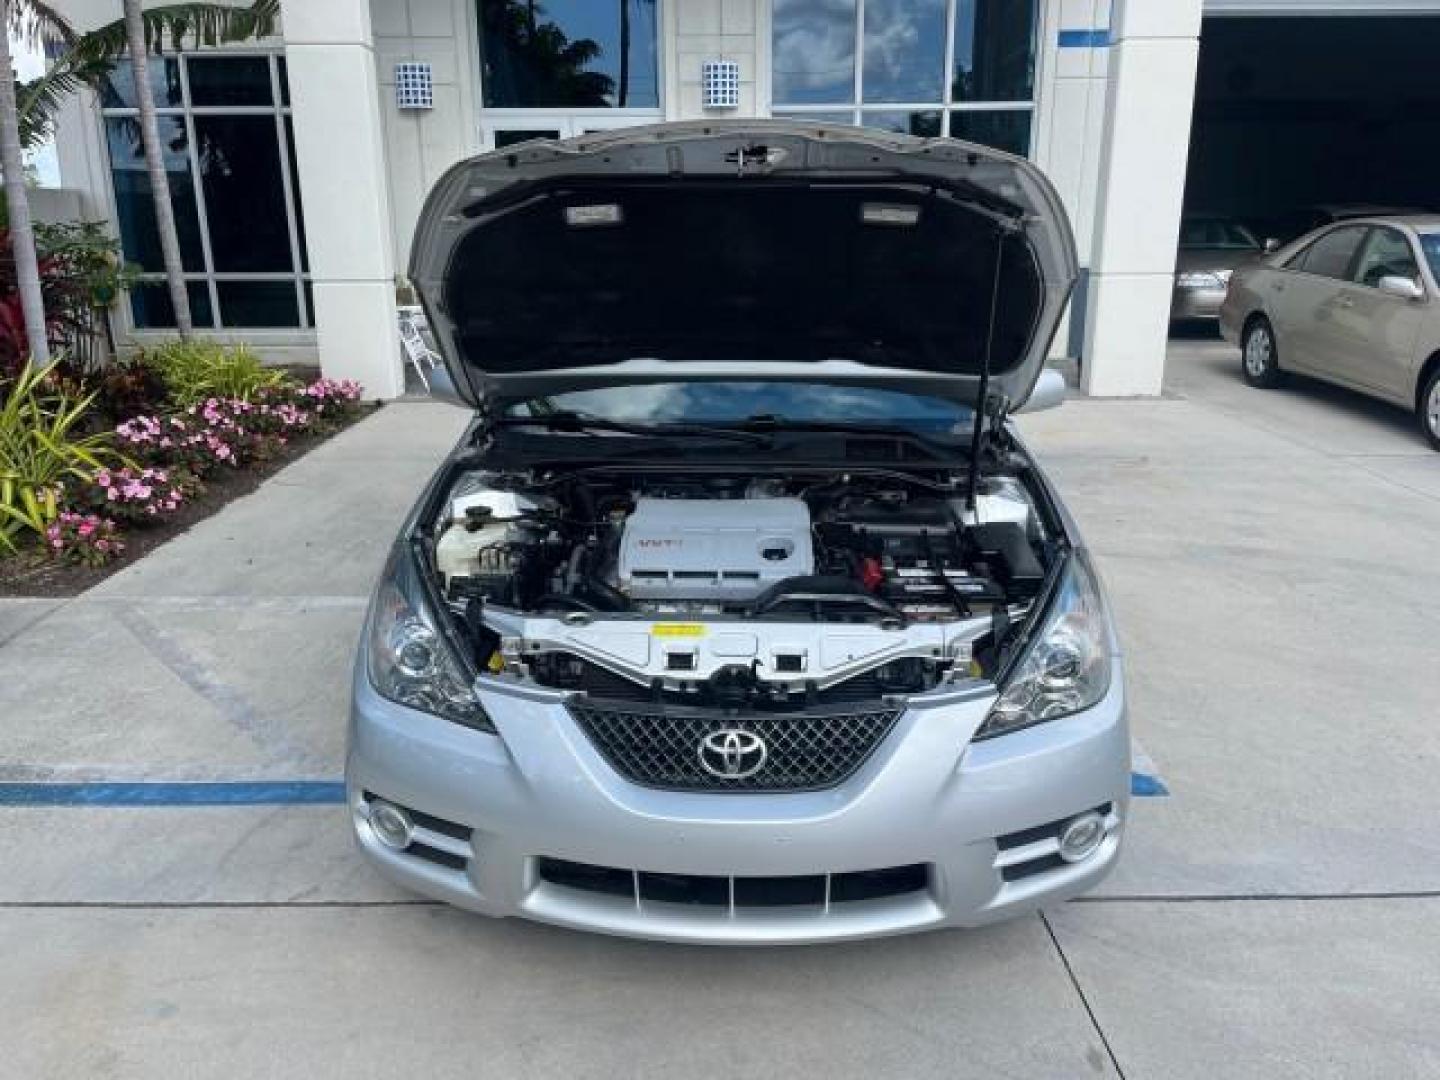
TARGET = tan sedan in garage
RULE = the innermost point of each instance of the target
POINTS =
(1356, 303)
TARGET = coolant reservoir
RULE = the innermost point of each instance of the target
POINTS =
(457, 554)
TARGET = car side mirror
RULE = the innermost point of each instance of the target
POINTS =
(1271, 244)
(1402, 287)
(1049, 392)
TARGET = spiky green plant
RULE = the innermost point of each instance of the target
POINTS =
(41, 446)
(194, 371)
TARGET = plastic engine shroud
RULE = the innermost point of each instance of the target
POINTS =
(713, 549)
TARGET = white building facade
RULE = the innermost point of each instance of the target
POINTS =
(298, 165)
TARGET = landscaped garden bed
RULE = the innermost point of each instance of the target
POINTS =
(98, 467)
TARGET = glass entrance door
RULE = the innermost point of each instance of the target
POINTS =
(499, 129)
(502, 132)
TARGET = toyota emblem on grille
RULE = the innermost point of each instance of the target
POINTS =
(732, 753)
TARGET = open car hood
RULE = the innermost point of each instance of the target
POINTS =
(744, 250)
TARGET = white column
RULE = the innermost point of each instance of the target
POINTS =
(340, 152)
(700, 30)
(1151, 92)
(1073, 76)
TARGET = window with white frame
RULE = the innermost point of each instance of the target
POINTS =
(569, 54)
(229, 153)
(964, 68)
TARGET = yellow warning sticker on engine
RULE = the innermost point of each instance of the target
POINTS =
(678, 629)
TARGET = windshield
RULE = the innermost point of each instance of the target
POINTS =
(1430, 245)
(1215, 233)
(733, 402)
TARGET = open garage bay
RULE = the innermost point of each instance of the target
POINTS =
(1297, 117)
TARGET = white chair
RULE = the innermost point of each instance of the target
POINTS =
(420, 356)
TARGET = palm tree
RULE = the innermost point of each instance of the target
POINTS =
(30, 20)
(90, 58)
(623, 98)
(143, 32)
(155, 166)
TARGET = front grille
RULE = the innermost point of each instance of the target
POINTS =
(701, 890)
(661, 748)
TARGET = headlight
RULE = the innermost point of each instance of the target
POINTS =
(1196, 279)
(411, 663)
(1067, 665)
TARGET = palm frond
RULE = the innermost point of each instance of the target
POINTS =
(38, 100)
(183, 24)
(35, 21)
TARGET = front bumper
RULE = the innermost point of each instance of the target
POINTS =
(1196, 303)
(926, 797)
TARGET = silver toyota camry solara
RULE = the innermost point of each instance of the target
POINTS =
(741, 613)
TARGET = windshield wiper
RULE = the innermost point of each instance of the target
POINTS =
(578, 422)
(773, 422)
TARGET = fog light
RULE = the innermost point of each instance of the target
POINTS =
(1080, 838)
(391, 824)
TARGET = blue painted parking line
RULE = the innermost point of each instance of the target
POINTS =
(1145, 781)
(262, 792)
(1143, 785)
(201, 793)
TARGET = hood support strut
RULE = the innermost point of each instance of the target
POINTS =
(1002, 228)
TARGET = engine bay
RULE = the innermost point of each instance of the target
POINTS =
(741, 591)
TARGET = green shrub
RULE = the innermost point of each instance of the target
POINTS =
(195, 371)
(42, 446)
(126, 388)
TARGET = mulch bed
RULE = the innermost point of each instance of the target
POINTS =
(33, 573)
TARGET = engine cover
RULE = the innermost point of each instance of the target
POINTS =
(713, 549)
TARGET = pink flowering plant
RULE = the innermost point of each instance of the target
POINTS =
(257, 430)
(318, 406)
(197, 441)
(136, 495)
(88, 539)
(190, 412)
(229, 431)
(169, 455)
(335, 395)
(232, 432)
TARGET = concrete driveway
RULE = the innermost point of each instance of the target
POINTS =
(1272, 559)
